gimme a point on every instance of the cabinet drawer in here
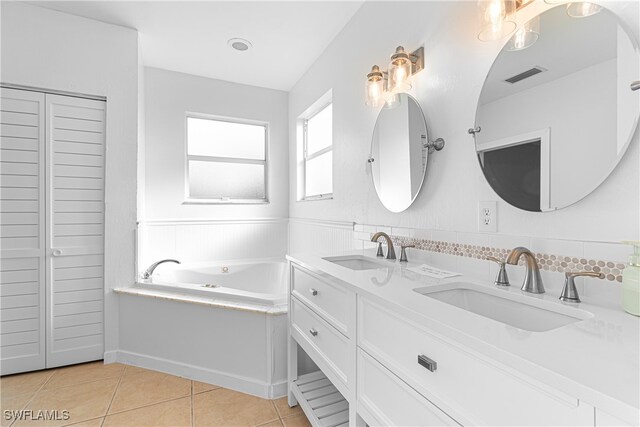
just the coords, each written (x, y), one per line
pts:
(327, 299)
(468, 388)
(329, 344)
(391, 401)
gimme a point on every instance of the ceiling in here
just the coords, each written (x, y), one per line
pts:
(565, 46)
(191, 36)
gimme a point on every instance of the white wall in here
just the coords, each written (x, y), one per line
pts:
(53, 50)
(448, 90)
(203, 232)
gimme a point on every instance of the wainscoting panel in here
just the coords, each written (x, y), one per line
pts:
(323, 237)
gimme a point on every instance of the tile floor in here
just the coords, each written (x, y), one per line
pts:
(113, 395)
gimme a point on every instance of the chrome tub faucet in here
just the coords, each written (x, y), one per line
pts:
(149, 271)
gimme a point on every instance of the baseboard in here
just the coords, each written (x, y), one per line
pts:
(197, 373)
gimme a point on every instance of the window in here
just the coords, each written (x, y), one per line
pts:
(226, 161)
(317, 149)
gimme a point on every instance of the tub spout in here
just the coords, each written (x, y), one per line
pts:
(149, 271)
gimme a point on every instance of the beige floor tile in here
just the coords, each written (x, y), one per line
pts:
(199, 387)
(172, 413)
(96, 422)
(13, 403)
(83, 401)
(24, 383)
(132, 370)
(224, 407)
(276, 423)
(83, 373)
(146, 388)
(283, 408)
(299, 420)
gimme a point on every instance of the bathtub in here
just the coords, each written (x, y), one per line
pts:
(260, 282)
(222, 323)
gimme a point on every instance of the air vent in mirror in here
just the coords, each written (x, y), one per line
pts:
(525, 75)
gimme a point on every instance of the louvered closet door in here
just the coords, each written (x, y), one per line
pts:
(22, 231)
(75, 233)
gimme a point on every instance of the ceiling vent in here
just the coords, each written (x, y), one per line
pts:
(525, 75)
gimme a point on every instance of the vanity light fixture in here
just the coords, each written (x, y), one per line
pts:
(525, 36)
(495, 19)
(381, 85)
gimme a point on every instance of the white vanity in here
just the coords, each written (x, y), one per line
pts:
(397, 348)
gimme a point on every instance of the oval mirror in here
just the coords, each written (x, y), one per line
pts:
(399, 152)
(556, 112)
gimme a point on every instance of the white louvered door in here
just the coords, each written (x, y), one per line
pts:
(22, 231)
(52, 150)
(75, 229)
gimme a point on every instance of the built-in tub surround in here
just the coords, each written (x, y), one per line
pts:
(222, 323)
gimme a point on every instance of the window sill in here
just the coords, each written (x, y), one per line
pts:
(226, 202)
(314, 198)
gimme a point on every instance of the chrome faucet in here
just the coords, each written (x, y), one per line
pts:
(532, 279)
(391, 253)
(149, 271)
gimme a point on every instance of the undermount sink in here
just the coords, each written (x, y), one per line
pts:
(510, 309)
(355, 262)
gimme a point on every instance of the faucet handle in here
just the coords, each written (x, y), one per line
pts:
(403, 252)
(501, 279)
(569, 291)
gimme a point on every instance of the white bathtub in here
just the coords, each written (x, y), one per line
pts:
(261, 282)
(233, 335)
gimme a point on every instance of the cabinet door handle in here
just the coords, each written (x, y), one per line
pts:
(313, 292)
(56, 252)
(430, 364)
(313, 332)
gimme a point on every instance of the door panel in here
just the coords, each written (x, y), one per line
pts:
(75, 235)
(22, 231)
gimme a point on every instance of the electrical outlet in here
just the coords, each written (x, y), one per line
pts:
(487, 216)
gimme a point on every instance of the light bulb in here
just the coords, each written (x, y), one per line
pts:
(399, 71)
(495, 20)
(582, 9)
(375, 87)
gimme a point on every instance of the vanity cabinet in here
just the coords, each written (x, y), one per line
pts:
(390, 369)
(471, 390)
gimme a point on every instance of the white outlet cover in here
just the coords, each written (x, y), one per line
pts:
(488, 216)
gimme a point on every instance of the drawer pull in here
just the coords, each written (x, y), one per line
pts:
(313, 332)
(430, 364)
(313, 292)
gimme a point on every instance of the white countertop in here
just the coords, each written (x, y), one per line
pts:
(596, 360)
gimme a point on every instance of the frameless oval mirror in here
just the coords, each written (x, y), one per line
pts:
(555, 117)
(399, 152)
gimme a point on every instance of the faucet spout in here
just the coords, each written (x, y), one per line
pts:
(532, 279)
(391, 253)
(149, 271)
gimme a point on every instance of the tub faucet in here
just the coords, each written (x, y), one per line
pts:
(149, 271)
(532, 279)
(391, 253)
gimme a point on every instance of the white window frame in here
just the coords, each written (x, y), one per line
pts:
(319, 106)
(213, 159)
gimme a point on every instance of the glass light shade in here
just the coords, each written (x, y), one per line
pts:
(375, 87)
(399, 71)
(582, 9)
(495, 19)
(525, 36)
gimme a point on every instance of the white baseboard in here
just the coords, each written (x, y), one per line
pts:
(233, 382)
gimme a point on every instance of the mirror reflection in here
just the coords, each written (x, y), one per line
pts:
(556, 112)
(399, 153)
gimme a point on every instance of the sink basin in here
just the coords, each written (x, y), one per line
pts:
(355, 262)
(516, 310)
